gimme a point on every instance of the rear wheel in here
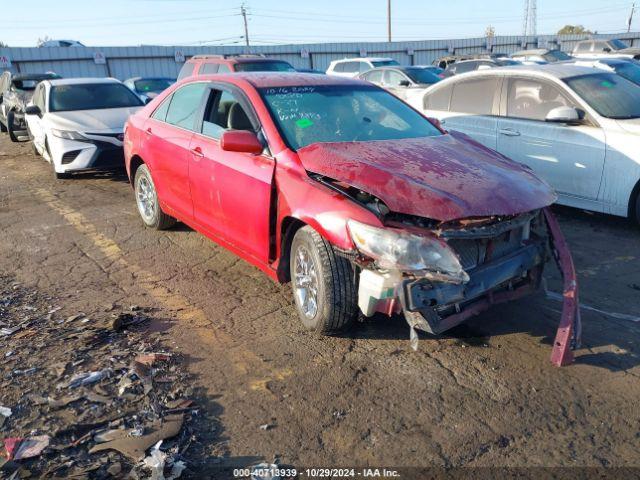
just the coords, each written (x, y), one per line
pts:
(323, 284)
(147, 201)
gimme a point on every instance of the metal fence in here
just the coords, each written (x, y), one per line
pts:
(126, 62)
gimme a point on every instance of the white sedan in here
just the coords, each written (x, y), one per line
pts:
(77, 124)
(578, 128)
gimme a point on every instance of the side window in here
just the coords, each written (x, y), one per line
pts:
(465, 67)
(338, 67)
(206, 68)
(374, 76)
(186, 70)
(41, 98)
(224, 112)
(161, 111)
(393, 78)
(223, 68)
(439, 99)
(364, 67)
(185, 104)
(351, 67)
(533, 100)
(474, 96)
(600, 46)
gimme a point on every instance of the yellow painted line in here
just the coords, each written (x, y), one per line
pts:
(244, 361)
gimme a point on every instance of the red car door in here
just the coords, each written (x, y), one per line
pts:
(231, 191)
(168, 135)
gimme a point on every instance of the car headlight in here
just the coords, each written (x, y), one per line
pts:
(398, 250)
(68, 135)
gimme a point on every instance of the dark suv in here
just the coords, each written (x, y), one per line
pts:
(15, 92)
(207, 64)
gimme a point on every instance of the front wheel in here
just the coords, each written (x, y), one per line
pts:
(147, 201)
(323, 284)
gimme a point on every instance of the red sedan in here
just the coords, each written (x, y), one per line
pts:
(349, 193)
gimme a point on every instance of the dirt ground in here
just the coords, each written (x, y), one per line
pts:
(485, 395)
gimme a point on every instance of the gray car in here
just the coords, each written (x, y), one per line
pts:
(16, 91)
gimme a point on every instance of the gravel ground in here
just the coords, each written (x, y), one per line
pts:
(484, 395)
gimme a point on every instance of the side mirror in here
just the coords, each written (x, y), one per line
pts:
(147, 100)
(606, 49)
(404, 83)
(565, 115)
(242, 141)
(32, 110)
(437, 123)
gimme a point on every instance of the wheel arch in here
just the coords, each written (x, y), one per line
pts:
(635, 192)
(135, 163)
(288, 228)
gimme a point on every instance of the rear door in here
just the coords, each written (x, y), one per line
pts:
(168, 135)
(473, 108)
(570, 158)
(231, 190)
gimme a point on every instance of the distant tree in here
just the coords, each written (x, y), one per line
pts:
(490, 31)
(573, 30)
(42, 40)
(3, 45)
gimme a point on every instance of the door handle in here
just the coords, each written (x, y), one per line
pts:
(148, 131)
(197, 152)
(509, 132)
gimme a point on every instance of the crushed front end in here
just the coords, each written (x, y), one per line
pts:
(440, 274)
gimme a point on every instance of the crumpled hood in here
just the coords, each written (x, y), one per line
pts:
(444, 177)
(107, 119)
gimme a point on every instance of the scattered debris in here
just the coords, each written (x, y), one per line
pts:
(583, 306)
(267, 426)
(89, 398)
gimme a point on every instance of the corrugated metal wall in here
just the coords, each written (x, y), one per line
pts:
(125, 62)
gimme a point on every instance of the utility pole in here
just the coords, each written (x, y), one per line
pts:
(633, 9)
(388, 20)
(243, 11)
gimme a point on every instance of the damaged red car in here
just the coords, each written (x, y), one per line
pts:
(358, 200)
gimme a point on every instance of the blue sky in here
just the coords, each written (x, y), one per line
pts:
(210, 22)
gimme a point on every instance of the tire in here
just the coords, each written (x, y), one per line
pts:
(147, 201)
(313, 263)
(3, 128)
(637, 210)
(10, 117)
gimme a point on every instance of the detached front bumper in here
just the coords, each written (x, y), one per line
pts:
(504, 262)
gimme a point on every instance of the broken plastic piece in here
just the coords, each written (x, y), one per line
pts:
(88, 378)
(32, 447)
(5, 411)
(155, 461)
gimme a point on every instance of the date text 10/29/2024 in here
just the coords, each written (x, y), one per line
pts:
(286, 473)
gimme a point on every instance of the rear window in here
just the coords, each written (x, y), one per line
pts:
(92, 96)
(438, 99)
(207, 68)
(556, 56)
(186, 70)
(275, 66)
(384, 63)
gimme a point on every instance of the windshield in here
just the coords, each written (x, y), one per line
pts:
(617, 44)
(342, 113)
(608, 94)
(155, 85)
(556, 56)
(92, 96)
(275, 66)
(25, 84)
(384, 63)
(422, 75)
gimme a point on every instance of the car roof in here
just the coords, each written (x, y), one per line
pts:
(82, 81)
(556, 70)
(135, 79)
(365, 59)
(533, 51)
(282, 79)
(35, 76)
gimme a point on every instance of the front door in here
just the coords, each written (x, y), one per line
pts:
(570, 158)
(34, 122)
(231, 190)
